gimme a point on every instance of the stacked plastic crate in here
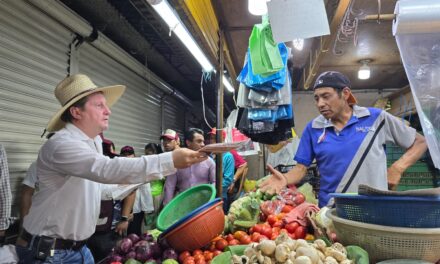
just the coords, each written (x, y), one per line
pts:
(418, 176)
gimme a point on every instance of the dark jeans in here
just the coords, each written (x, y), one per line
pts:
(102, 243)
(135, 226)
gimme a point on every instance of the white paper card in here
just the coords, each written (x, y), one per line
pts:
(291, 19)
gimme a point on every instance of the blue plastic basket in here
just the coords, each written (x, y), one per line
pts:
(399, 211)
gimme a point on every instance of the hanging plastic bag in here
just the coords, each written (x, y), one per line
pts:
(264, 52)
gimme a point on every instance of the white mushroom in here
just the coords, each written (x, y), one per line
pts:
(250, 251)
(339, 247)
(302, 260)
(268, 260)
(320, 244)
(282, 253)
(331, 252)
(310, 252)
(330, 260)
(347, 261)
(301, 243)
(267, 247)
(282, 238)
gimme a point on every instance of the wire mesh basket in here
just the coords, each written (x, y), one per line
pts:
(384, 242)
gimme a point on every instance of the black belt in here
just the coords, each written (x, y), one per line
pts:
(58, 243)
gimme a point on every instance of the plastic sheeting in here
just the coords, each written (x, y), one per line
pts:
(417, 32)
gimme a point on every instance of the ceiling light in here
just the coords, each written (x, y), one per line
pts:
(298, 43)
(173, 21)
(257, 7)
(227, 84)
(364, 70)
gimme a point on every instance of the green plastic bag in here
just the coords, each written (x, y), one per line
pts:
(156, 187)
(265, 55)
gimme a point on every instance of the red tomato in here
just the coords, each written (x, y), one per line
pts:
(208, 255)
(292, 235)
(217, 252)
(221, 244)
(300, 232)
(201, 261)
(251, 230)
(263, 238)
(291, 227)
(198, 252)
(239, 234)
(274, 235)
(266, 231)
(255, 237)
(245, 240)
(257, 228)
(287, 208)
(271, 219)
(198, 257)
(278, 223)
(300, 198)
(234, 242)
(184, 255)
(276, 229)
(189, 260)
(229, 237)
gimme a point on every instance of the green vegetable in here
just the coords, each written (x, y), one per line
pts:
(170, 261)
(132, 261)
(245, 224)
(358, 254)
(155, 233)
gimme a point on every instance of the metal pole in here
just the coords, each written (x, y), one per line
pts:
(219, 134)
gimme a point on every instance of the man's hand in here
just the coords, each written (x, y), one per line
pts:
(394, 175)
(121, 228)
(275, 183)
(183, 157)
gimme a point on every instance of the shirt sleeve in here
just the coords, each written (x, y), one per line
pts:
(170, 188)
(238, 159)
(80, 160)
(5, 191)
(305, 154)
(228, 169)
(31, 176)
(398, 132)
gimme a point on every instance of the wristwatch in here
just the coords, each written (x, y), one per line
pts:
(124, 218)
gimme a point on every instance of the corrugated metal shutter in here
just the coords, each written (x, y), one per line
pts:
(174, 115)
(135, 118)
(33, 59)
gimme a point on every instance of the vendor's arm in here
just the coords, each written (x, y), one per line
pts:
(25, 201)
(127, 207)
(237, 176)
(278, 181)
(410, 157)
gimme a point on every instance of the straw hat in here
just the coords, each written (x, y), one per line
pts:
(75, 87)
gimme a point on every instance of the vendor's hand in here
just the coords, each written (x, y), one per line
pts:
(183, 157)
(275, 183)
(394, 175)
(121, 228)
(231, 188)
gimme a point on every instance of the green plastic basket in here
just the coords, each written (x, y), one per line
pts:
(184, 203)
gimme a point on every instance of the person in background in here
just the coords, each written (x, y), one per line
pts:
(241, 169)
(347, 142)
(5, 196)
(71, 170)
(28, 187)
(143, 202)
(201, 173)
(170, 140)
(228, 165)
(157, 190)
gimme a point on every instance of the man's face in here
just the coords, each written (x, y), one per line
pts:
(197, 143)
(95, 115)
(169, 144)
(329, 102)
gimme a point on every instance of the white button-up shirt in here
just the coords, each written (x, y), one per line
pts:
(70, 168)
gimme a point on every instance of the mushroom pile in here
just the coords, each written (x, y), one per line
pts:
(290, 251)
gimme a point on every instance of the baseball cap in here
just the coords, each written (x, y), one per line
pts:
(170, 134)
(127, 150)
(214, 132)
(335, 80)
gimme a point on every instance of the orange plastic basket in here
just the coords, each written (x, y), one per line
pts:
(199, 230)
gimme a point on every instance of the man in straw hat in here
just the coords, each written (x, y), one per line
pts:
(70, 168)
(347, 142)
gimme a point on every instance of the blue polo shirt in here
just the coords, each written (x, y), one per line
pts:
(338, 152)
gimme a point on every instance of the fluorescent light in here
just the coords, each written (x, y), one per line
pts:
(173, 21)
(364, 70)
(257, 7)
(298, 43)
(227, 84)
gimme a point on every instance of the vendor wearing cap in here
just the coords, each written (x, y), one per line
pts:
(347, 142)
(70, 168)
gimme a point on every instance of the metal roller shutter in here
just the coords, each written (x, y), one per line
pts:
(33, 59)
(135, 118)
(174, 115)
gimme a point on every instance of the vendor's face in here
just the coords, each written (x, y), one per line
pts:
(329, 102)
(169, 144)
(197, 143)
(94, 117)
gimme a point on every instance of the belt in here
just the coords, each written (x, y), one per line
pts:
(58, 243)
